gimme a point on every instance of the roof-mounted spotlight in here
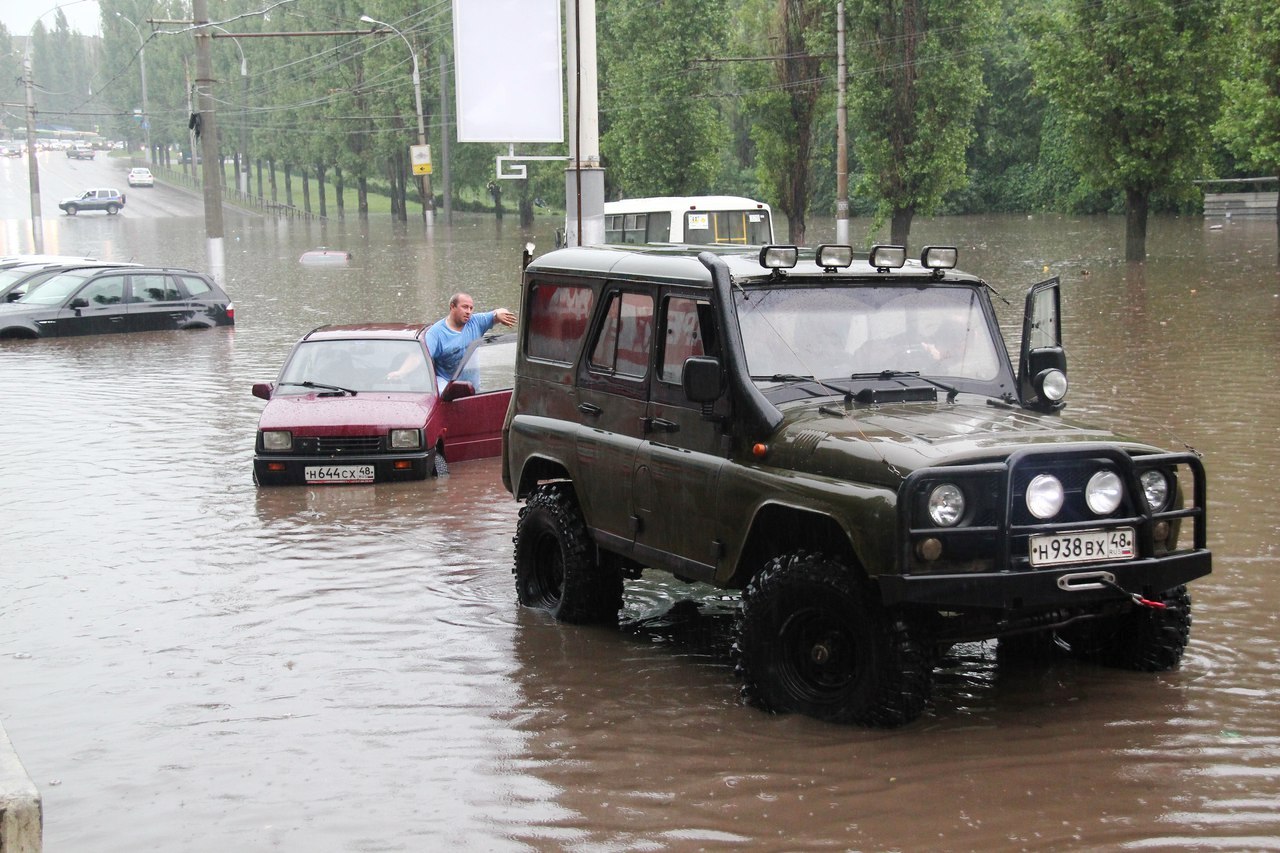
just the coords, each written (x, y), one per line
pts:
(885, 258)
(939, 258)
(779, 257)
(833, 257)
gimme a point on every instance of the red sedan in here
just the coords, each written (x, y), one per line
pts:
(359, 404)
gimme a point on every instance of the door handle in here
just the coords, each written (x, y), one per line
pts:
(589, 409)
(659, 425)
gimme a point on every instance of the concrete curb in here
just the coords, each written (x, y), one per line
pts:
(21, 812)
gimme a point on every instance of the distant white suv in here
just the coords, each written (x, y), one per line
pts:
(110, 200)
(141, 178)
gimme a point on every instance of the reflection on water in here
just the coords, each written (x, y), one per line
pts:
(190, 663)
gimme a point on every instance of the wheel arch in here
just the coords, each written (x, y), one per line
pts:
(539, 469)
(778, 529)
(17, 333)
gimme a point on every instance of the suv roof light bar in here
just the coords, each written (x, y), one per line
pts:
(885, 258)
(779, 257)
(831, 256)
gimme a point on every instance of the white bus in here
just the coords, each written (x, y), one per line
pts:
(704, 220)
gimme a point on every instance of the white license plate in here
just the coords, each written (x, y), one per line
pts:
(1092, 546)
(338, 473)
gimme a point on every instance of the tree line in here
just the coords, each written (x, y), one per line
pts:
(955, 106)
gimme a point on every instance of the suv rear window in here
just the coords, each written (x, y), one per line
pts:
(558, 318)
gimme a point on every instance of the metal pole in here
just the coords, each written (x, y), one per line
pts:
(447, 188)
(142, 66)
(33, 169)
(842, 141)
(424, 181)
(209, 144)
(584, 179)
(242, 176)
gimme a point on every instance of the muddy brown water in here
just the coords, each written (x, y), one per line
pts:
(189, 663)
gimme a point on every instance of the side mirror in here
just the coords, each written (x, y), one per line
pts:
(262, 390)
(79, 303)
(702, 380)
(456, 390)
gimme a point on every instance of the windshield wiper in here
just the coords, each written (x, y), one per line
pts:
(913, 374)
(783, 377)
(309, 384)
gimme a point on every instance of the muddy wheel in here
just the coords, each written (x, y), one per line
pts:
(813, 639)
(440, 466)
(555, 565)
(1142, 638)
(111, 209)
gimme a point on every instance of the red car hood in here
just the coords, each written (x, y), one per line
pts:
(368, 412)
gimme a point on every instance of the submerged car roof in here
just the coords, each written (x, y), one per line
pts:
(679, 263)
(354, 331)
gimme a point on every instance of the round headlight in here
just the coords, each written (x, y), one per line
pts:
(1104, 492)
(946, 505)
(1044, 496)
(1053, 385)
(1155, 488)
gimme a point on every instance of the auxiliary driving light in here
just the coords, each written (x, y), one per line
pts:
(834, 257)
(1104, 492)
(779, 257)
(1155, 488)
(939, 257)
(1044, 496)
(946, 505)
(885, 258)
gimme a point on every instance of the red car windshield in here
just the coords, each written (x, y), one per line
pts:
(358, 365)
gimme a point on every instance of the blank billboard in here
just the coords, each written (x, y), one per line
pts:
(507, 70)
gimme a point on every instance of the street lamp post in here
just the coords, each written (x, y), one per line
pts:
(243, 182)
(428, 202)
(142, 66)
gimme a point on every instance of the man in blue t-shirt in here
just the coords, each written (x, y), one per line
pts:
(449, 338)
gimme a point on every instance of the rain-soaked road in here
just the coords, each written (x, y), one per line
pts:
(189, 663)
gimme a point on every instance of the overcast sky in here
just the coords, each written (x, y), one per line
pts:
(19, 16)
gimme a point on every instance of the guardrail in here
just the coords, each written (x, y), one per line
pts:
(230, 195)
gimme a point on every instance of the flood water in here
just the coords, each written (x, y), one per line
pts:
(190, 663)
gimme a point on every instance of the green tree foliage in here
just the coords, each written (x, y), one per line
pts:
(1250, 122)
(1134, 82)
(916, 82)
(784, 96)
(660, 134)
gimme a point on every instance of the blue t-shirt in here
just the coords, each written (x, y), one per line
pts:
(447, 347)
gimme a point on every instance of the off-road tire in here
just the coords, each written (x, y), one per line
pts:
(555, 564)
(813, 639)
(1146, 639)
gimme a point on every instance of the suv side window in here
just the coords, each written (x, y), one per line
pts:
(194, 284)
(108, 290)
(684, 336)
(155, 287)
(558, 316)
(622, 345)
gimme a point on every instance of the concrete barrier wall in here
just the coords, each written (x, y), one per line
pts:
(21, 813)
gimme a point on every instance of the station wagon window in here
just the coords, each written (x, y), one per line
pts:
(622, 347)
(683, 336)
(558, 315)
(154, 288)
(103, 291)
(195, 285)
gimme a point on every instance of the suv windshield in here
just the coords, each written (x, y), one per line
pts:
(54, 290)
(835, 333)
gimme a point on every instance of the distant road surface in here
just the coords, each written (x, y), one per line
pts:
(62, 177)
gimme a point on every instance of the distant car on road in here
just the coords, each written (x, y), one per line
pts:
(359, 404)
(80, 152)
(11, 151)
(141, 178)
(100, 300)
(110, 200)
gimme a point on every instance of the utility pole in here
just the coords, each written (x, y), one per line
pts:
(842, 141)
(211, 164)
(33, 169)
